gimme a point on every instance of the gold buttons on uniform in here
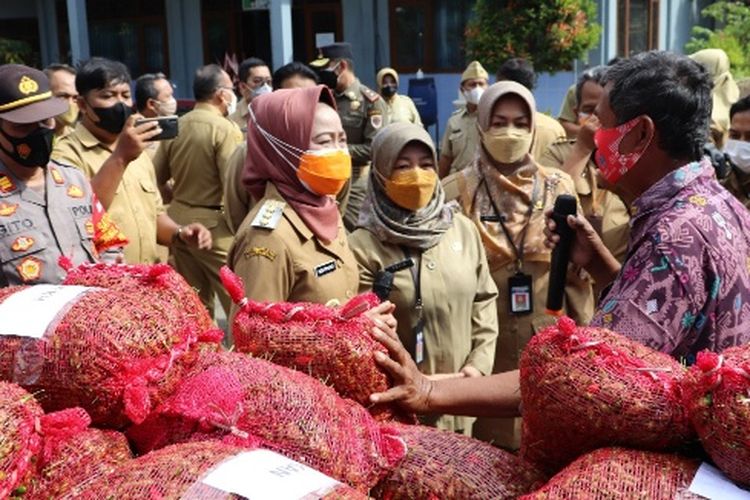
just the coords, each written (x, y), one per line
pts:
(431, 265)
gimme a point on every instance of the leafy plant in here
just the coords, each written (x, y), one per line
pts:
(15, 52)
(733, 36)
(550, 34)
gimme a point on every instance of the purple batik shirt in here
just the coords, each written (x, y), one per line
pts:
(685, 285)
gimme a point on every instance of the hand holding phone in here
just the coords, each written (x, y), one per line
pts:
(168, 124)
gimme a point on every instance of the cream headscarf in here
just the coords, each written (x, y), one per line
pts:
(725, 91)
(381, 75)
(421, 229)
(511, 192)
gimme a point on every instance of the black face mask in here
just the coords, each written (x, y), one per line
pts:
(113, 118)
(329, 78)
(33, 150)
(388, 91)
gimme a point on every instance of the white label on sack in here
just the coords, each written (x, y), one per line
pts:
(709, 482)
(263, 474)
(30, 312)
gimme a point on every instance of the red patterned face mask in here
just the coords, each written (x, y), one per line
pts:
(613, 164)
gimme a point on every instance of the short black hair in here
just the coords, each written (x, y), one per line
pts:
(518, 70)
(294, 68)
(740, 106)
(99, 73)
(595, 74)
(145, 89)
(59, 67)
(206, 81)
(673, 90)
(247, 65)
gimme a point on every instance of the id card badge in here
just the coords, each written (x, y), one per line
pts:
(419, 344)
(521, 293)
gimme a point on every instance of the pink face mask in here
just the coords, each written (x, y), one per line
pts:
(613, 164)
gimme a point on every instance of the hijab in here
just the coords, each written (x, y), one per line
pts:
(484, 186)
(421, 229)
(725, 91)
(287, 115)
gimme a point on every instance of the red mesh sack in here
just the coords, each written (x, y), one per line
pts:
(159, 280)
(237, 396)
(19, 441)
(584, 388)
(112, 353)
(443, 464)
(171, 473)
(72, 453)
(717, 396)
(333, 344)
(619, 473)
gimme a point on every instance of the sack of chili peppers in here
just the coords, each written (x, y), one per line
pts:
(619, 473)
(72, 453)
(444, 464)
(584, 388)
(235, 397)
(110, 352)
(158, 280)
(211, 470)
(19, 440)
(333, 344)
(717, 396)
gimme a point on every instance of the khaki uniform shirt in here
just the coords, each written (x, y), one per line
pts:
(461, 139)
(239, 117)
(362, 113)
(137, 202)
(237, 201)
(738, 184)
(604, 209)
(402, 109)
(458, 297)
(38, 227)
(288, 262)
(547, 131)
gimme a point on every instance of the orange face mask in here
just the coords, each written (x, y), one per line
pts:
(411, 188)
(325, 171)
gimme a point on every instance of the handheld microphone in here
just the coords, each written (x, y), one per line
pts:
(565, 205)
(383, 283)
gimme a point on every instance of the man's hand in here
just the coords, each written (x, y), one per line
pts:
(585, 137)
(196, 235)
(411, 389)
(133, 140)
(383, 313)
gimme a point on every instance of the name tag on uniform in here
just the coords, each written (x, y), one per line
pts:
(325, 268)
(521, 295)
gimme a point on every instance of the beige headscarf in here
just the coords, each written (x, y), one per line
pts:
(381, 75)
(511, 192)
(421, 229)
(725, 93)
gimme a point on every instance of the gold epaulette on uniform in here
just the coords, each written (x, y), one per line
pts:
(368, 94)
(269, 215)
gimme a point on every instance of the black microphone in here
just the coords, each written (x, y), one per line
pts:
(383, 283)
(565, 205)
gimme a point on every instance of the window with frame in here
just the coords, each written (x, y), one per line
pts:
(428, 34)
(637, 26)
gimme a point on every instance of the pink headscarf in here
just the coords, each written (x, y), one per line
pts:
(287, 115)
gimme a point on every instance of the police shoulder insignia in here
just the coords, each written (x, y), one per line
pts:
(29, 269)
(22, 243)
(6, 184)
(260, 252)
(269, 215)
(370, 95)
(376, 121)
(75, 191)
(8, 209)
(56, 176)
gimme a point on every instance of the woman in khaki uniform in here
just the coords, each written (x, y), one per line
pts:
(505, 192)
(445, 304)
(292, 245)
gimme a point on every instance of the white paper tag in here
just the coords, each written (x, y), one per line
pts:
(30, 312)
(263, 474)
(711, 483)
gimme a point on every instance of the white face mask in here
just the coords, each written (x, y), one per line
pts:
(168, 107)
(232, 106)
(473, 96)
(263, 89)
(739, 154)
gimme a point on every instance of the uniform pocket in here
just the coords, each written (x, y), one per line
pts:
(23, 256)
